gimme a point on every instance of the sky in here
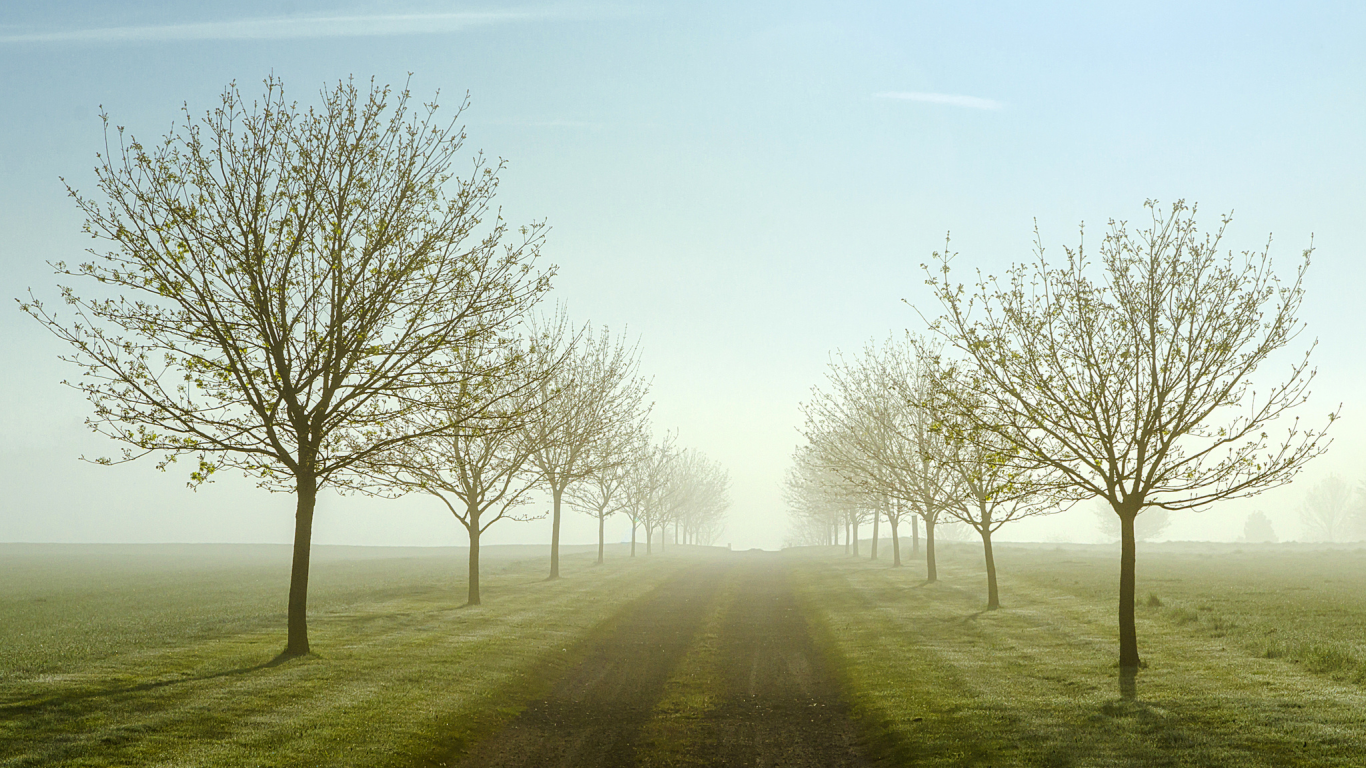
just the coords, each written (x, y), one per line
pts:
(744, 187)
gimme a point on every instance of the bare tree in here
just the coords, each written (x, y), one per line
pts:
(604, 492)
(698, 497)
(997, 487)
(597, 398)
(646, 482)
(1137, 388)
(481, 472)
(279, 286)
(1326, 511)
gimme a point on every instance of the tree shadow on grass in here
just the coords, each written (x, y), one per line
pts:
(58, 700)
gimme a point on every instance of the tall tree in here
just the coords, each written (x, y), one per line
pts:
(277, 286)
(1136, 386)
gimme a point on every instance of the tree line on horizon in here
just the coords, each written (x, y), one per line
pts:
(315, 298)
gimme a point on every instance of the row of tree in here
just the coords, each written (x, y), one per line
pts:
(315, 298)
(1131, 376)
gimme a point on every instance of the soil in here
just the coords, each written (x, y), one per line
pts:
(778, 703)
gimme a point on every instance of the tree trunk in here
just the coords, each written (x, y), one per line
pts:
(649, 540)
(896, 543)
(556, 492)
(932, 573)
(602, 522)
(307, 498)
(663, 536)
(872, 548)
(915, 536)
(633, 538)
(473, 598)
(1128, 636)
(855, 539)
(993, 599)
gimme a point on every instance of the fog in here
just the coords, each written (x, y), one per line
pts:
(745, 190)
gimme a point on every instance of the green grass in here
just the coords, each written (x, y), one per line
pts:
(1254, 656)
(161, 656)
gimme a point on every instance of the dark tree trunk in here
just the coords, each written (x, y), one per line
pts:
(649, 540)
(872, 547)
(556, 492)
(307, 498)
(915, 536)
(932, 573)
(602, 523)
(855, 539)
(633, 539)
(993, 598)
(896, 543)
(846, 537)
(663, 536)
(473, 598)
(1128, 636)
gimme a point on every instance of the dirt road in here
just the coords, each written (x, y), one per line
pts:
(715, 667)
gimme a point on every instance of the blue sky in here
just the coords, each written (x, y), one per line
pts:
(747, 187)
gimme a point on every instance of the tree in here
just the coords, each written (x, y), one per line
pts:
(281, 285)
(604, 493)
(996, 486)
(1327, 512)
(873, 428)
(1136, 387)
(698, 499)
(1258, 530)
(481, 472)
(597, 397)
(646, 481)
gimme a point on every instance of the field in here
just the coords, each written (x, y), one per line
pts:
(162, 655)
(1255, 656)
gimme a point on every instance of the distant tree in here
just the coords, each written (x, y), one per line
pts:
(646, 481)
(597, 396)
(279, 286)
(604, 493)
(1258, 530)
(871, 426)
(1136, 386)
(1327, 511)
(482, 472)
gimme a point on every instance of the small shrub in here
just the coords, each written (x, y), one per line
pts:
(1154, 601)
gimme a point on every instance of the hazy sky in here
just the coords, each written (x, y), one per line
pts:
(746, 186)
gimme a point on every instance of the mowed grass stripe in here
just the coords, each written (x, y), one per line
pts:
(939, 682)
(403, 679)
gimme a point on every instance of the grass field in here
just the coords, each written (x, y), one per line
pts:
(161, 655)
(1255, 656)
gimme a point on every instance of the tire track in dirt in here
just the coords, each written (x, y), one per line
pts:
(782, 704)
(773, 701)
(594, 713)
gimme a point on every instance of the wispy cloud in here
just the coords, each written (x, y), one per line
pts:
(284, 27)
(948, 99)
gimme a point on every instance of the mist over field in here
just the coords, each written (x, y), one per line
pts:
(682, 384)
